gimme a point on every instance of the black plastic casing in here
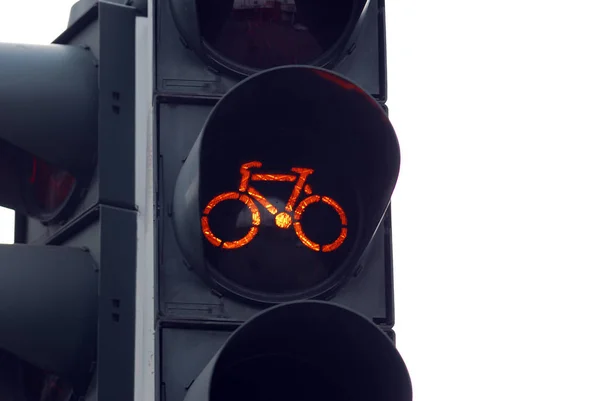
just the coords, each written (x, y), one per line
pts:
(195, 320)
(180, 70)
(102, 224)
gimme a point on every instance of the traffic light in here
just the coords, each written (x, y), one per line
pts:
(275, 167)
(203, 191)
(49, 96)
(67, 151)
(286, 185)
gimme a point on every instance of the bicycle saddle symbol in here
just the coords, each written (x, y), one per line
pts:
(284, 219)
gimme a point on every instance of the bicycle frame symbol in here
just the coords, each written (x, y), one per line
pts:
(284, 219)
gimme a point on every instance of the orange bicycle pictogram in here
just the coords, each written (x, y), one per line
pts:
(283, 219)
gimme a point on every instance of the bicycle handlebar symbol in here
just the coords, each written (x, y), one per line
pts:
(283, 219)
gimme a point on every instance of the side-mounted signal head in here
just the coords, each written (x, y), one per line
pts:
(245, 36)
(48, 127)
(286, 185)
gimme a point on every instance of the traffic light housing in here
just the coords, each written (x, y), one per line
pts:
(299, 142)
(48, 96)
(273, 186)
(190, 80)
(67, 167)
(285, 171)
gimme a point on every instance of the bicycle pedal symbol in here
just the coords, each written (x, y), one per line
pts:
(284, 219)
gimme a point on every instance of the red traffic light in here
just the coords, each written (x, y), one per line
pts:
(285, 185)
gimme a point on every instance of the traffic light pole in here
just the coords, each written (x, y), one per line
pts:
(147, 386)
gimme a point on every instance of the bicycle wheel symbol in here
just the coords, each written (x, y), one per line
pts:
(236, 243)
(283, 219)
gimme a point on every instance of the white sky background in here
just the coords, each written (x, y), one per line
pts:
(497, 208)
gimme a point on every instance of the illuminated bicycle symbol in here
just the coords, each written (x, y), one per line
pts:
(284, 219)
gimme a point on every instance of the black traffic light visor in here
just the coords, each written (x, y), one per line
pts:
(308, 350)
(48, 307)
(48, 127)
(246, 36)
(49, 102)
(289, 178)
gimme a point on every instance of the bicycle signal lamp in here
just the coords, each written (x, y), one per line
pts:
(275, 208)
(285, 185)
(283, 219)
